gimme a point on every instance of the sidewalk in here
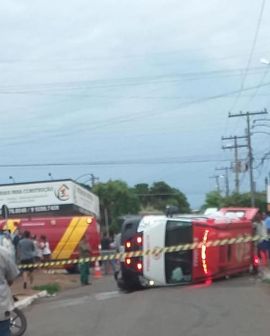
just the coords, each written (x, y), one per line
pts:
(41, 277)
(265, 274)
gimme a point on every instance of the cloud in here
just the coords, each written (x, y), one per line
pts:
(100, 74)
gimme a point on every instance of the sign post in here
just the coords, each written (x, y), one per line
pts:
(4, 211)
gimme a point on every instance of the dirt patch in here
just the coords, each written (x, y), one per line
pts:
(42, 278)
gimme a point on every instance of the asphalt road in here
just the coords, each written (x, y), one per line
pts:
(238, 306)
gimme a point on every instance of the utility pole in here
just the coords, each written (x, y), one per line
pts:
(235, 146)
(216, 177)
(250, 154)
(93, 179)
(227, 185)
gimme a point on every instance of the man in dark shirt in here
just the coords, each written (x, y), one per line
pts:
(105, 243)
(26, 254)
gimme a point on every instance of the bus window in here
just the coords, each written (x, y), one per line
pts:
(178, 265)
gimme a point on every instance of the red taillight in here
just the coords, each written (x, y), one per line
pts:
(256, 261)
(139, 266)
(128, 244)
(139, 240)
(128, 261)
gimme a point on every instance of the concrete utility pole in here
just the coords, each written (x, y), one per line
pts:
(250, 154)
(235, 146)
(216, 177)
(93, 179)
(227, 185)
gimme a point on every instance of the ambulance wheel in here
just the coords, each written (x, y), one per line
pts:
(122, 285)
(127, 288)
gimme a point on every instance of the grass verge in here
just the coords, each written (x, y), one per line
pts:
(267, 280)
(51, 288)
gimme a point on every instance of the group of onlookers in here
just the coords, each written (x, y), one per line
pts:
(26, 249)
(40, 247)
(29, 250)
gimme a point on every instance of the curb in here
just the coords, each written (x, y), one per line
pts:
(266, 275)
(30, 299)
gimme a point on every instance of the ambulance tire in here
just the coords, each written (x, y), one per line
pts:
(128, 287)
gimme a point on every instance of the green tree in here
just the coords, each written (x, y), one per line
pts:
(213, 199)
(244, 200)
(162, 195)
(116, 199)
(142, 191)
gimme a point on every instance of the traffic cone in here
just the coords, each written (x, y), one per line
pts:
(97, 271)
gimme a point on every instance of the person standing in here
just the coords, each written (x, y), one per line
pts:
(105, 248)
(45, 248)
(38, 251)
(116, 246)
(8, 273)
(85, 252)
(6, 243)
(262, 244)
(26, 253)
(17, 236)
(267, 224)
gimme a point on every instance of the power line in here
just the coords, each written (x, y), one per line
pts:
(255, 93)
(110, 163)
(145, 114)
(119, 82)
(237, 162)
(259, 21)
(250, 152)
(126, 56)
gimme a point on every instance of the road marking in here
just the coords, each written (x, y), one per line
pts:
(107, 295)
(84, 299)
(71, 302)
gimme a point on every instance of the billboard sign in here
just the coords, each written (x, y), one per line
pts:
(47, 197)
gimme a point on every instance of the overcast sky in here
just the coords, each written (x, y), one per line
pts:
(117, 81)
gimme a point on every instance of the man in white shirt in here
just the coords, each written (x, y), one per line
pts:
(8, 273)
